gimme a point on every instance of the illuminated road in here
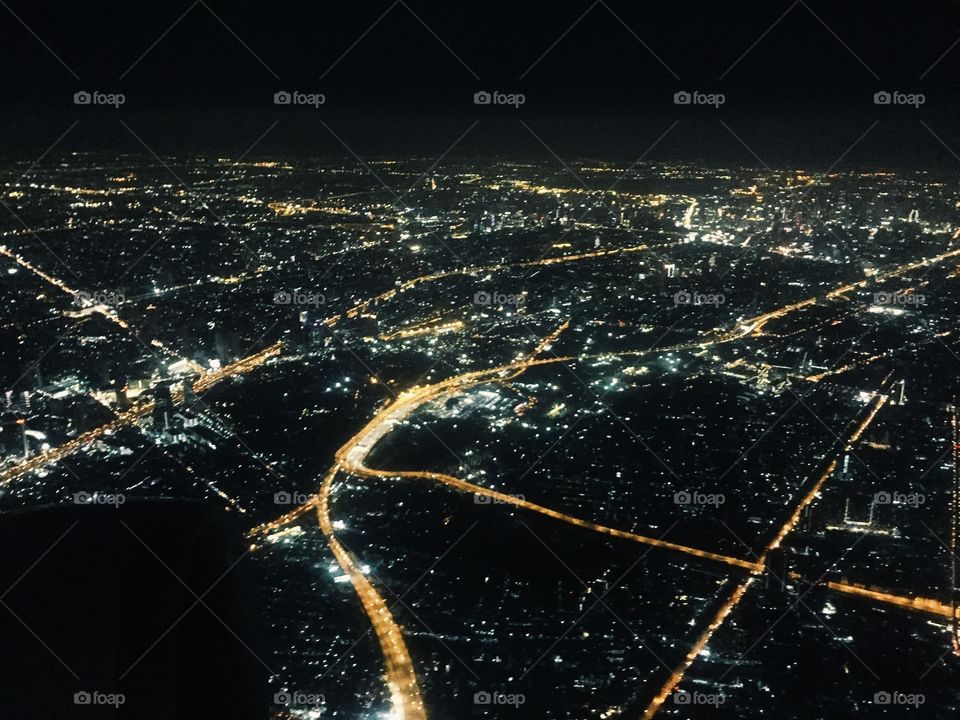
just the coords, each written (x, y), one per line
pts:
(88, 305)
(352, 455)
(207, 378)
(915, 604)
(678, 674)
(135, 413)
(424, 330)
(406, 700)
(954, 523)
(401, 675)
(405, 697)
(364, 305)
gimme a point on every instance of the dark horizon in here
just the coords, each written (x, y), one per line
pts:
(798, 80)
(759, 143)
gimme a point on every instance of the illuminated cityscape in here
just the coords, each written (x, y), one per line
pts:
(600, 375)
(404, 360)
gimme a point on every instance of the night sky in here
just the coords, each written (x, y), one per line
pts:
(399, 78)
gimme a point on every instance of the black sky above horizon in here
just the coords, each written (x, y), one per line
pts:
(398, 76)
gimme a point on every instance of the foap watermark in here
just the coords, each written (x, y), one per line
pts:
(499, 698)
(111, 298)
(685, 297)
(297, 698)
(483, 97)
(682, 697)
(899, 498)
(296, 297)
(686, 97)
(287, 498)
(884, 97)
(694, 497)
(899, 298)
(482, 499)
(95, 697)
(498, 298)
(295, 97)
(899, 698)
(95, 97)
(97, 498)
